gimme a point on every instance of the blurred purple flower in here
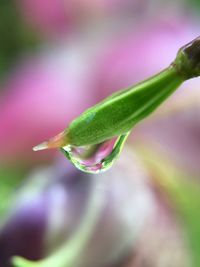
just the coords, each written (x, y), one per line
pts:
(23, 233)
(134, 220)
(47, 215)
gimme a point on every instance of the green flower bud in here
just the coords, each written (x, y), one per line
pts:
(117, 114)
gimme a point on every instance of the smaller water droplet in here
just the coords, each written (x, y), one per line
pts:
(95, 158)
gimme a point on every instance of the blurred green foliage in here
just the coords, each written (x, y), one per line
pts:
(16, 37)
(194, 2)
(10, 179)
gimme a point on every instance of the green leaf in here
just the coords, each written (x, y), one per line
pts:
(16, 37)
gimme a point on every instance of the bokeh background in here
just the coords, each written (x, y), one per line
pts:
(58, 58)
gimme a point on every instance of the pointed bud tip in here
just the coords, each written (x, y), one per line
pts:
(41, 146)
(57, 141)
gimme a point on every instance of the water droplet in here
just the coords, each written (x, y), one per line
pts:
(95, 158)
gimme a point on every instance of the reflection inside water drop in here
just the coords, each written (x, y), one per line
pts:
(95, 158)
